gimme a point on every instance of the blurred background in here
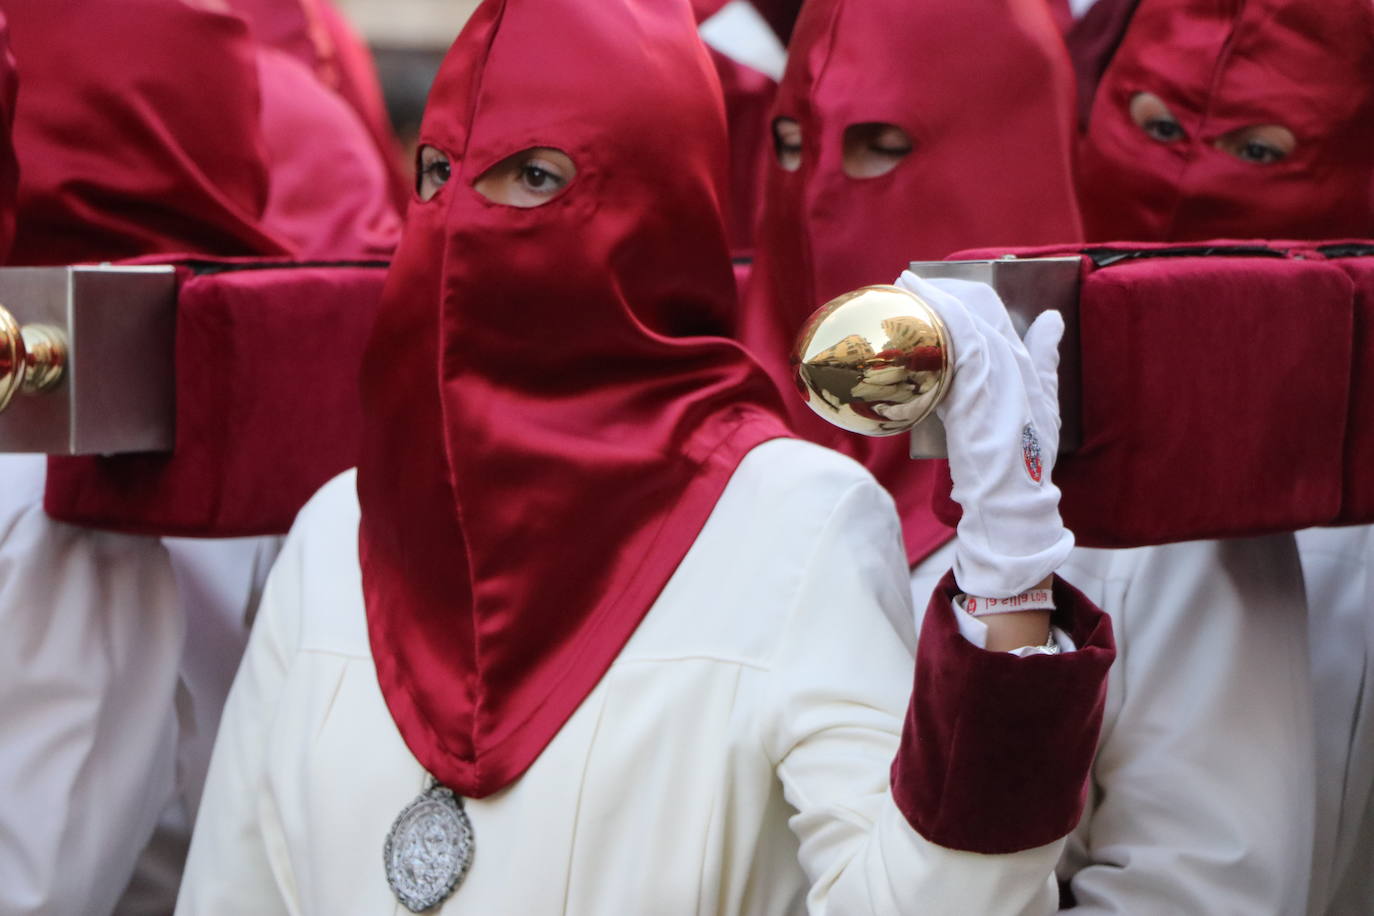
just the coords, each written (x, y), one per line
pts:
(400, 26)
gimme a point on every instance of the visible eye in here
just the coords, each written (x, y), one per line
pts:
(530, 178)
(787, 143)
(539, 179)
(1261, 144)
(1163, 130)
(1153, 117)
(874, 148)
(433, 172)
(1263, 153)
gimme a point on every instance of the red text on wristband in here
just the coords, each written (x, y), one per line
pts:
(1035, 599)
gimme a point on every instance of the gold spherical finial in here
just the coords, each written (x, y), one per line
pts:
(874, 361)
(32, 358)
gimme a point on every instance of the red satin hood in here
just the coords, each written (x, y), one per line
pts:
(315, 34)
(560, 411)
(137, 132)
(293, 27)
(353, 71)
(333, 191)
(9, 168)
(1223, 65)
(330, 193)
(984, 90)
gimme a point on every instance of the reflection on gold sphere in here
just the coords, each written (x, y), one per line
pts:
(32, 358)
(874, 361)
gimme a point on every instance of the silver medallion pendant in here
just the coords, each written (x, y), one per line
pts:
(428, 849)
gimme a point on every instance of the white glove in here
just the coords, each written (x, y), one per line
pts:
(1001, 417)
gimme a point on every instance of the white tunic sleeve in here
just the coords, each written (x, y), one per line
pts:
(1203, 783)
(88, 665)
(835, 730)
(1340, 625)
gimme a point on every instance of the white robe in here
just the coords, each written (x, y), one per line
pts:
(733, 760)
(219, 582)
(88, 675)
(1340, 591)
(118, 654)
(1202, 791)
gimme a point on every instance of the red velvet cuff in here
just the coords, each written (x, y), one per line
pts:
(1222, 381)
(267, 409)
(1357, 493)
(997, 750)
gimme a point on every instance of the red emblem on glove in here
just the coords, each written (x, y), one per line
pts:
(1030, 452)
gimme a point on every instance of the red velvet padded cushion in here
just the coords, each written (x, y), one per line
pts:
(1215, 397)
(267, 367)
(1357, 500)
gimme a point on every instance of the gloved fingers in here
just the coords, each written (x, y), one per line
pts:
(1007, 349)
(995, 380)
(1001, 395)
(981, 300)
(1016, 391)
(1042, 343)
(967, 338)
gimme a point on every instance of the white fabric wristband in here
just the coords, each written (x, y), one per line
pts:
(1034, 599)
(976, 632)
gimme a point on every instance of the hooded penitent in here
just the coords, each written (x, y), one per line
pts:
(560, 410)
(137, 132)
(1221, 66)
(984, 91)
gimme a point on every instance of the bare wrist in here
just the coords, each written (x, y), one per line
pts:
(1012, 630)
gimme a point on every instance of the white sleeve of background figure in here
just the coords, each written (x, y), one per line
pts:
(88, 671)
(229, 868)
(1204, 781)
(839, 698)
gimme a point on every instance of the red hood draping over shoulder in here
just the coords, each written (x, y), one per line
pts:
(985, 92)
(290, 26)
(705, 9)
(781, 16)
(137, 132)
(1091, 41)
(330, 192)
(359, 85)
(561, 410)
(748, 98)
(9, 168)
(315, 34)
(333, 187)
(1220, 66)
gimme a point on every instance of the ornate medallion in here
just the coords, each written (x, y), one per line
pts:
(428, 849)
(1030, 453)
